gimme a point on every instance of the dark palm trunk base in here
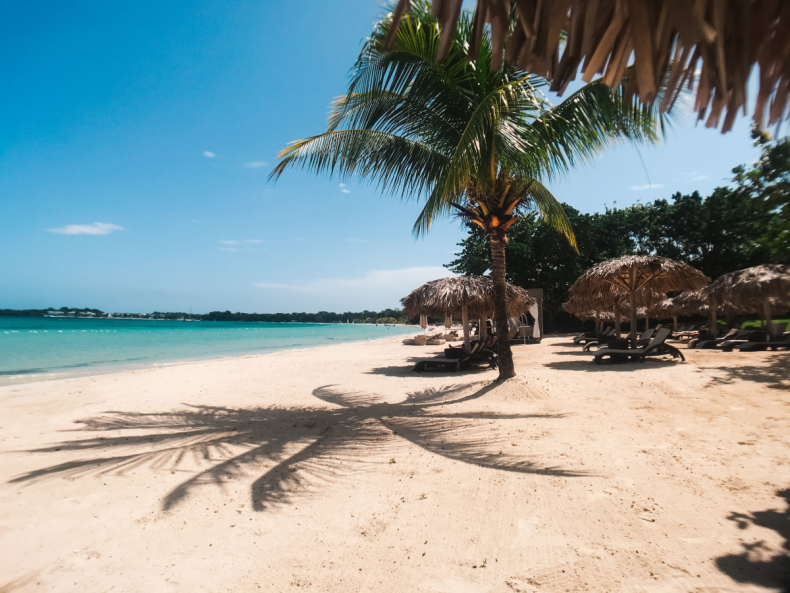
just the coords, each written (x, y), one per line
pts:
(506, 368)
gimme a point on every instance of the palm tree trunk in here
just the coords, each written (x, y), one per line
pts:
(632, 286)
(497, 239)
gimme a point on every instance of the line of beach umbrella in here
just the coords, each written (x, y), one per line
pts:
(635, 286)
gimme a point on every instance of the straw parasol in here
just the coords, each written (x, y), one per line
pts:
(469, 295)
(711, 45)
(610, 298)
(691, 302)
(759, 290)
(635, 274)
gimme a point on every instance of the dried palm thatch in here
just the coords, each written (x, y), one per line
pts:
(602, 304)
(449, 296)
(710, 45)
(693, 302)
(635, 274)
(471, 296)
(750, 288)
(761, 289)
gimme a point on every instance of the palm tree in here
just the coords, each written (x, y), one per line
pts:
(464, 137)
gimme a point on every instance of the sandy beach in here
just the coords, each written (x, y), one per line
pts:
(338, 469)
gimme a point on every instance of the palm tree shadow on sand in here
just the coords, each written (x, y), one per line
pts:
(292, 451)
(756, 564)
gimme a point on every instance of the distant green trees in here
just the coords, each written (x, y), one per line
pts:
(735, 227)
(385, 316)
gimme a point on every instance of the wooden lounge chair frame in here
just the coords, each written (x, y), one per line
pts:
(480, 354)
(656, 347)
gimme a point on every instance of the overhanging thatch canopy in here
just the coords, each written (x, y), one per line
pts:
(710, 46)
(447, 296)
(692, 302)
(749, 289)
(634, 273)
(638, 276)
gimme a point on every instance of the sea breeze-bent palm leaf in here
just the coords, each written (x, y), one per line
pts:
(397, 163)
(468, 138)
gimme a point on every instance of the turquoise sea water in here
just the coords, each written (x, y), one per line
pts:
(35, 348)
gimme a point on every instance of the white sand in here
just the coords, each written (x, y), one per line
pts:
(337, 469)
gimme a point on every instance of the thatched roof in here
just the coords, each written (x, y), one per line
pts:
(692, 302)
(710, 46)
(447, 295)
(608, 297)
(749, 289)
(652, 273)
(586, 305)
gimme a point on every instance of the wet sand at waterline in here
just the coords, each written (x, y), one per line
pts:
(337, 469)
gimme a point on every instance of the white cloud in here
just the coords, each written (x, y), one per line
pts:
(256, 164)
(647, 186)
(346, 191)
(377, 289)
(97, 228)
(209, 154)
(699, 177)
(342, 187)
(235, 242)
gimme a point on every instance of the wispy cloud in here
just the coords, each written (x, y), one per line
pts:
(235, 242)
(97, 228)
(377, 289)
(343, 188)
(236, 245)
(208, 154)
(402, 280)
(699, 177)
(647, 186)
(256, 164)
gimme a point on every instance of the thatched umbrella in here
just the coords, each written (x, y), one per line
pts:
(759, 289)
(692, 302)
(635, 274)
(612, 298)
(469, 295)
(711, 45)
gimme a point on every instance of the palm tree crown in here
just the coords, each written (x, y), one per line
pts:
(463, 136)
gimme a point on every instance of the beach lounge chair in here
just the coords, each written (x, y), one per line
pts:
(754, 336)
(590, 336)
(479, 354)
(687, 332)
(604, 341)
(702, 343)
(656, 347)
(599, 339)
(762, 346)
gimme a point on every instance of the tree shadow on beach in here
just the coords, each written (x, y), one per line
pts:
(775, 375)
(757, 564)
(589, 366)
(287, 452)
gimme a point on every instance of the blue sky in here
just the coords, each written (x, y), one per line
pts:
(160, 122)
